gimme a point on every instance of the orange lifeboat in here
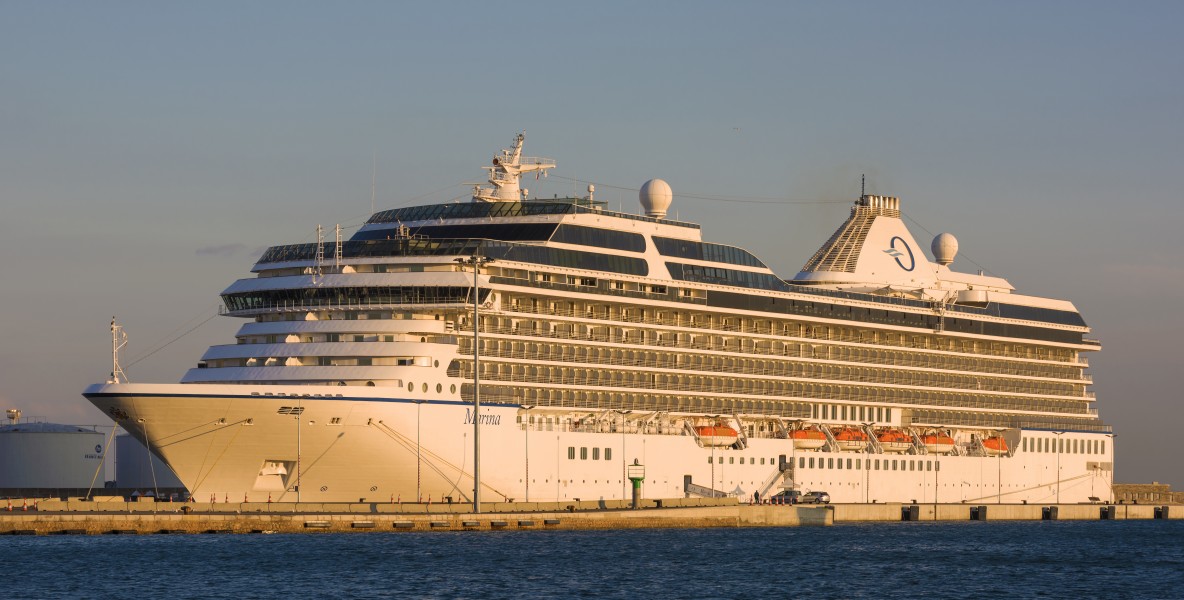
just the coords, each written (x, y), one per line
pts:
(716, 435)
(995, 445)
(851, 439)
(807, 439)
(938, 443)
(894, 441)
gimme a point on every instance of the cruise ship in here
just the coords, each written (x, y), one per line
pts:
(577, 348)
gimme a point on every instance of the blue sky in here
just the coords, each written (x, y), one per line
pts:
(149, 151)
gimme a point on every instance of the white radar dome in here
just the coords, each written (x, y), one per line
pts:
(945, 248)
(656, 197)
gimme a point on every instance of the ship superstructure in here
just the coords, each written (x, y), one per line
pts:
(606, 337)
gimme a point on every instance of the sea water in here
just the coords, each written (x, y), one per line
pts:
(1096, 559)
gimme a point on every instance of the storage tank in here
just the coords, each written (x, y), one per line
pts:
(132, 471)
(39, 457)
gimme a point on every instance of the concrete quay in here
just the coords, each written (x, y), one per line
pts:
(79, 517)
(86, 517)
(865, 513)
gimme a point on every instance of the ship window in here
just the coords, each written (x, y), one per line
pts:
(731, 460)
(571, 453)
(596, 454)
(425, 388)
(802, 462)
(439, 388)
(608, 454)
(877, 464)
(859, 463)
(762, 460)
(928, 465)
(452, 388)
(583, 454)
(894, 465)
(830, 463)
(848, 463)
(840, 463)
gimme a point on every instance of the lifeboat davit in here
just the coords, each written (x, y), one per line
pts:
(851, 439)
(807, 439)
(938, 443)
(716, 435)
(894, 441)
(995, 445)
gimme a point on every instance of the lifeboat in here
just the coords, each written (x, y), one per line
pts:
(716, 435)
(938, 443)
(995, 445)
(851, 439)
(894, 441)
(807, 439)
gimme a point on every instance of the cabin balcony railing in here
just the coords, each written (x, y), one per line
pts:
(283, 307)
(791, 352)
(707, 325)
(695, 364)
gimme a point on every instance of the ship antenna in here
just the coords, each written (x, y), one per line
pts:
(118, 341)
(862, 185)
(320, 256)
(337, 251)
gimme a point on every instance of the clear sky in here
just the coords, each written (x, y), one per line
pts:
(149, 151)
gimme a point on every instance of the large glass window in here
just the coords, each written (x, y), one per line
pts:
(601, 238)
(705, 251)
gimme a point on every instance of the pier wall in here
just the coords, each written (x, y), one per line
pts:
(104, 517)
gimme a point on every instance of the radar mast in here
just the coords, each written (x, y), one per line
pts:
(507, 170)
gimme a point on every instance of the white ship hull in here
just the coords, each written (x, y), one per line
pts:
(219, 440)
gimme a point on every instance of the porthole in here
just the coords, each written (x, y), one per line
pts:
(411, 387)
(439, 388)
(437, 364)
(452, 388)
(425, 388)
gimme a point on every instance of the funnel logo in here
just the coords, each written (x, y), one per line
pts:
(898, 255)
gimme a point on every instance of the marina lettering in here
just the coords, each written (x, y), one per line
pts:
(485, 419)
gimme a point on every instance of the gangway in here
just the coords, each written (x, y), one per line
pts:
(703, 491)
(777, 478)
